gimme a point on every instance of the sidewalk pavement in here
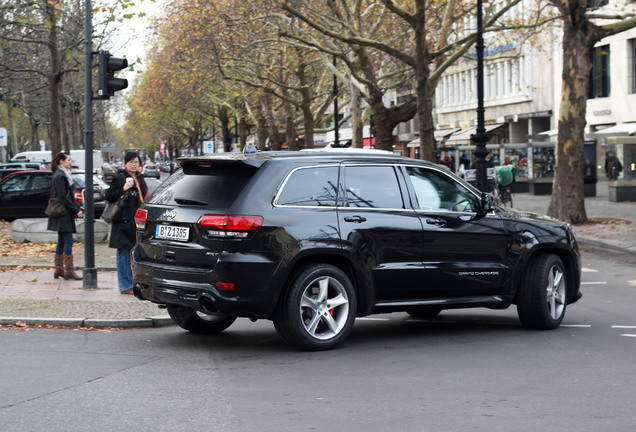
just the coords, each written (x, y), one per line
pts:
(30, 295)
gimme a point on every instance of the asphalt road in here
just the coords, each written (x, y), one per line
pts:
(466, 370)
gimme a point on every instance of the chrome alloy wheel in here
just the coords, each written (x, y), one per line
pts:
(555, 292)
(324, 308)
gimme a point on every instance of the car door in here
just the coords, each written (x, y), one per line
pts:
(13, 191)
(463, 255)
(380, 232)
(38, 193)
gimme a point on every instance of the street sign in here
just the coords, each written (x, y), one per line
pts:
(3, 137)
(108, 147)
(208, 147)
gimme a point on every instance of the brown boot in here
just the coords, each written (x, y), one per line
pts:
(70, 271)
(59, 267)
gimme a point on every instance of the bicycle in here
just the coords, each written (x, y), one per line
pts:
(505, 195)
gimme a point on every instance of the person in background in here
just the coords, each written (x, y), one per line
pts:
(123, 232)
(63, 188)
(613, 166)
(464, 160)
(447, 161)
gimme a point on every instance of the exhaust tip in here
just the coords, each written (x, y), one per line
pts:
(137, 292)
(207, 303)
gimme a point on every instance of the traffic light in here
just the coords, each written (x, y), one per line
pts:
(108, 84)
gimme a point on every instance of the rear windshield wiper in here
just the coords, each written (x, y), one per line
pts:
(187, 201)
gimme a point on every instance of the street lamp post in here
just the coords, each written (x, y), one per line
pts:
(90, 271)
(336, 140)
(480, 137)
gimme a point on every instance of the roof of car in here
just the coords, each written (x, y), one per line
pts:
(259, 158)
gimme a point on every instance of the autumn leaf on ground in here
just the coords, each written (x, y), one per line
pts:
(33, 280)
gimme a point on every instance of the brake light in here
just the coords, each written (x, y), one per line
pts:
(225, 285)
(141, 217)
(238, 226)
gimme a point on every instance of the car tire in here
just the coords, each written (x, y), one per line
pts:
(424, 311)
(318, 310)
(197, 322)
(542, 297)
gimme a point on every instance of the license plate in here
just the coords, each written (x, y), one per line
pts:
(169, 232)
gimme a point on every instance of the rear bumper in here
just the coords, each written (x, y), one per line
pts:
(252, 296)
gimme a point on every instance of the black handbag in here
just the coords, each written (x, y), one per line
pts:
(55, 208)
(113, 210)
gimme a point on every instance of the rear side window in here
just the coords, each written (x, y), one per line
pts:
(216, 186)
(372, 187)
(313, 187)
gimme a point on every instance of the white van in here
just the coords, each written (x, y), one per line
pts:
(77, 157)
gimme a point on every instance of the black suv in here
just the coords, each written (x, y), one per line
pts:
(314, 239)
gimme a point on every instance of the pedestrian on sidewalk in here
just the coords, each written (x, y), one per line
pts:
(613, 166)
(123, 231)
(63, 187)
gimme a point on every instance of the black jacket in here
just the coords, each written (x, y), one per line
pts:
(61, 189)
(122, 234)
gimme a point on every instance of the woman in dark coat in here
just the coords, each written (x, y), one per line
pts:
(122, 234)
(63, 189)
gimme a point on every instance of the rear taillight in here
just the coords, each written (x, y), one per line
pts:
(237, 226)
(141, 217)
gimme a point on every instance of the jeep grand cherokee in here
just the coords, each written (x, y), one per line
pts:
(312, 240)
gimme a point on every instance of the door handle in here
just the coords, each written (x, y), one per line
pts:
(356, 219)
(438, 222)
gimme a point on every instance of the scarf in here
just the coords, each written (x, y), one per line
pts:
(68, 175)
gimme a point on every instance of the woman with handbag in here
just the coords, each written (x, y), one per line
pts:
(123, 231)
(62, 189)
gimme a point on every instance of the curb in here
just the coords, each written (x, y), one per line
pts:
(97, 323)
(605, 243)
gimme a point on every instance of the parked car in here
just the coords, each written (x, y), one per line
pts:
(109, 171)
(25, 194)
(26, 165)
(312, 240)
(151, 170)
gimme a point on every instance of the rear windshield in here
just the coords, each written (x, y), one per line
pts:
(215, 187)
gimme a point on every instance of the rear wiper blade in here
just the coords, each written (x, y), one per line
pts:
(187, 201)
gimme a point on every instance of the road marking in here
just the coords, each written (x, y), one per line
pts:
(588, 270)
(629, 335)
(372, 319)
(593, 283)
(576, 325)
(624, 327)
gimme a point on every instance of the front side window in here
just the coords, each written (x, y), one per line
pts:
(372, 187)
(313, 187)
(15, 183)
(435, 191)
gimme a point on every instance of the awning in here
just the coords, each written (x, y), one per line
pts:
(463, 136)
(624, 129)
(440, 135)
(551, 132)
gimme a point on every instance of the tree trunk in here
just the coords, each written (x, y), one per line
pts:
(242, 131)
(422, 83)
(272, 124)
(290, 128)
(305, 107)
(262, 133)
(225, 129)
(567, 202)
(54, 81)
(13, 142)
(356, 117)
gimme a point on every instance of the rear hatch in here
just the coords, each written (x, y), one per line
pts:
(188, 222)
